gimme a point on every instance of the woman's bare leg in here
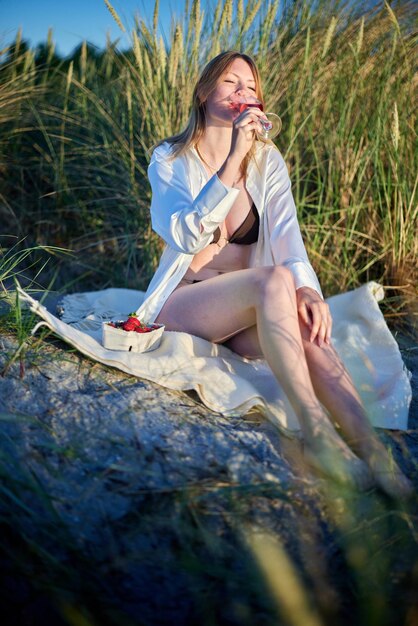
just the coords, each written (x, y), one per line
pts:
(218, 308)
(335, 390)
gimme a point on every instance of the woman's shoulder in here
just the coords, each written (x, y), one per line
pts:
(162, 151)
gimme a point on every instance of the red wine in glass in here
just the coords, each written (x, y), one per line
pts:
(265, 123)
(271, 124)
(245, 105)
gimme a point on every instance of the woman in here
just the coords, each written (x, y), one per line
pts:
(235, 270)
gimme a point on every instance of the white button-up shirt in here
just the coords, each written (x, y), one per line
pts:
(188, 205)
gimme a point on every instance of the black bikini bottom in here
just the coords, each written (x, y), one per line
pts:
(189, 282)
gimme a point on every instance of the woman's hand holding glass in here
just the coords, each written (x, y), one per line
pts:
(249, 120)
(244, 126)
(271, 123)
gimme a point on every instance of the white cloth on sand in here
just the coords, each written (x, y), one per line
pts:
(232, 385)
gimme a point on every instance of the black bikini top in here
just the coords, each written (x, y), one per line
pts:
(246, 233)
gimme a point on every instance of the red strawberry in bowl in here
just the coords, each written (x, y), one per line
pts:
(117, 335)
(132, 323)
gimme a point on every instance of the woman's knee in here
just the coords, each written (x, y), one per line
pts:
(275, 281)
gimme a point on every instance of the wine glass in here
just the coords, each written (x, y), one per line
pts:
(271, 123)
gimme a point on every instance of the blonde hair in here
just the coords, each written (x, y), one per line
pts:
(205, 85)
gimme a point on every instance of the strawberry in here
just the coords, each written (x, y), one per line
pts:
(132, 323)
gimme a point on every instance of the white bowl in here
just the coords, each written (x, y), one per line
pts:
(129, 340)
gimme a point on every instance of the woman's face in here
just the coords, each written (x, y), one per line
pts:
(237, 78)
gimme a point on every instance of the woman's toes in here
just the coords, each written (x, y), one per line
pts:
(351, 471)
(394, 484)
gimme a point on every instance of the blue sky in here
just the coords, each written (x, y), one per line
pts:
(75, 20)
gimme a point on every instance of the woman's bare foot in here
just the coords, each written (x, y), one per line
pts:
(387, 474)
(394, 483)
(326, 452)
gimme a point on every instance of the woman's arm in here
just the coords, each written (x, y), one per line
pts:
(289, 250)
(286, 241)
(185, 223)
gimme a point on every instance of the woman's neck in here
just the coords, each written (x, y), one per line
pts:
(215, 144)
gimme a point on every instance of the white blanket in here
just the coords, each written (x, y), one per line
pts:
(230, 384)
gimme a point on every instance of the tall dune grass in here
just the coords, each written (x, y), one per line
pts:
(76, 133)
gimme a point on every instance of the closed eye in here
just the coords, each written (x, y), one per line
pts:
(233, 82)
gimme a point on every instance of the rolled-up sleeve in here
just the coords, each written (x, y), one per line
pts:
(185, 223)
(286, 240)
